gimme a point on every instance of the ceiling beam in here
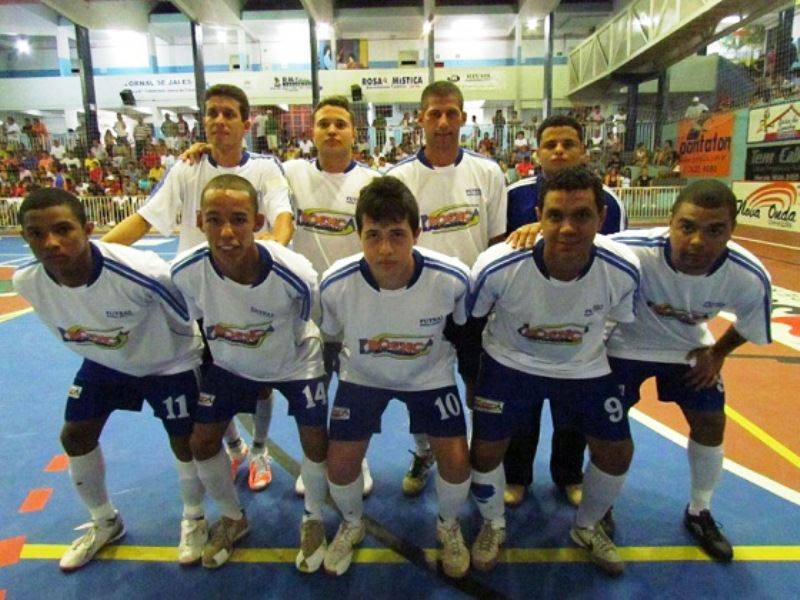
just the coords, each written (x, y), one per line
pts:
(319, 10)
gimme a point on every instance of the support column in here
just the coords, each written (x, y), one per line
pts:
(548, 24)
(87, 86)
(662, 106)
(518, 63)
(241, 46)
(151, 52)
(199, 74)
(312, 36)
(62, 47)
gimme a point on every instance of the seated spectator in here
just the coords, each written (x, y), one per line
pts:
(625, 178)
(486, 145)
(525, 167)
(521, 146)
(641, 155)
(615, 162)
(695, 109)
(644, 179)
(612, 178)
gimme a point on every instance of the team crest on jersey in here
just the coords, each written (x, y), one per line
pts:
(206, 399)
(488, 406)
(396, 346)
(340, 413)
(449, 218)
(111, 339)
(329, 222)
(569, 333)
(251, 336)
(74, 392)
(687, 317)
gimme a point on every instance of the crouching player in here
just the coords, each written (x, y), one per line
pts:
(255, 299)
(391, 303)
(691, 271)
(116, 307)
(546, 340)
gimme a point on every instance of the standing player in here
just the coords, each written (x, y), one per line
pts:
(560, 141)
(325, 192)
(255, 300)
(410, 292)
(117, 308)
(462, 205)
(226, 120)
(546, 337)
(690, 272)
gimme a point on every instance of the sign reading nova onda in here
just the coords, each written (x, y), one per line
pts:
(773, 205)
(705, 145)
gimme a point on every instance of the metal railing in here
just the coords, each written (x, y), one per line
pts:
(648, 205)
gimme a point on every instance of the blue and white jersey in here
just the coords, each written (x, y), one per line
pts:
(461, 206)
(261, 331)
(392, 339)
(129, 316)
(523, 197)
(546, 327)
(325, 208)
(179, 193)
(674, 308)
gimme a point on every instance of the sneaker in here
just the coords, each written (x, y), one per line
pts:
(99, 534)
(339, 554)
(299, 486)
(238, 456)
(194, 535)
(312, 546)
(706, 531)
(223, 534)
(455, 556)
(513, 495)
(573, 493)
(417, 475)
(487, 546)
(608, 524)
(260, 472)
(601, 549)
(368, 482)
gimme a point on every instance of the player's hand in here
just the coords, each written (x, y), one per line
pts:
(194, 153)
(706, 366)
(524, 237)
(266, 235)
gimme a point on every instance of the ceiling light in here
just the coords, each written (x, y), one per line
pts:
(532, 23)
(23, 46)
(222, 36)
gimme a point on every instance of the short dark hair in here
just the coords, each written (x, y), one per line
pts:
(387, 200)
(441, 89)
(707, 193)
(338, 101)
(559, 121)
(231, 182)
(230, 91)
(42, 198)
(571, 179)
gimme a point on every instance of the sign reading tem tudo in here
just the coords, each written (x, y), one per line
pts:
(774, 205)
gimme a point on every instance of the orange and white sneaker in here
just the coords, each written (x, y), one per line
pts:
(238, 456)
(260, 471)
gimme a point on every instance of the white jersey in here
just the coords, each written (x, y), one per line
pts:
(178, 194)
(129, 317)
(261, 331)
(461, 206)
(546, 327)
(325, 206)
(392, 339)
(674, 308)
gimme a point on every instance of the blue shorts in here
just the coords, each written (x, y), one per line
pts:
(670, 384)
(224, 394)
(97, 391)
(507, 400)
(357, 411)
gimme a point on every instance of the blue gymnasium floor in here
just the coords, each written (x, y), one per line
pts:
(539, 559)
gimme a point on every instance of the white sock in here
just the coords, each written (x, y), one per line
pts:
(599, 492)
(215, 473)
(191, 488)
(88, 474)
(316, 481)
(487, 490)
(348, 498)
(451, 498)
(422, 444)
(705, 463)
(261, 421)
(232, 433)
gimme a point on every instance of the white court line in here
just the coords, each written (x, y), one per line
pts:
(761, 481)
(775, 244)
(15, 314)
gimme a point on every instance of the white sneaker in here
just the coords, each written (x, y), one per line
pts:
(299, 486)
(601, 549)
(487, 547)
(340, 551)
(368, 481)
(238, 456)
(99, 535)
(455, 556)
(194, 535)
(312, 546)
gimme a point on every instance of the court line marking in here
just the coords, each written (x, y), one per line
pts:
(775, 244)
(15, 314)
(763, 436)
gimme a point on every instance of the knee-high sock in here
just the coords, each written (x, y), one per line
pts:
(261, 421)
(487, 490)
(705, 463)
(316, 481)
(231, 432)
(348, 498)
(599, 492)
(215, 473)
(451, 497)
(421, 443)
(191, 488)
(88, 474)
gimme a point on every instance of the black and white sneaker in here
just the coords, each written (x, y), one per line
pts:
(706, 531)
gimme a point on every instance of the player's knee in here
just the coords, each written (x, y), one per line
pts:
(315, 443)
(707, 427)
(77, 439)
(612, 457)
(203, 444)
(181, 447)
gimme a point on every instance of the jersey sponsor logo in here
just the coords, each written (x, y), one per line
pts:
(262, 313)
(206, 399)
(328, 222)
(340, 413)
(590, 311)
(112, 339)
(74, 392)
(451, 218)
(250, 336)
(488, 406)
(118, 314)
(473, 192)
(688, 317)
(569, 333)
(394, 346)
(430, 321)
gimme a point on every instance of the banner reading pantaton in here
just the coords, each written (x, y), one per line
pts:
(704, 145)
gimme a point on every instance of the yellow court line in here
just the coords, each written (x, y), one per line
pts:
(386, 556)
(15, 314)
(762, 436)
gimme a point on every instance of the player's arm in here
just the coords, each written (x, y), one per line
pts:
(707, 362)
(127, 231)
(524, 237)
(282, 229)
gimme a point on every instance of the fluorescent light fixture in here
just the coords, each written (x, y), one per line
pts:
(533, 22)
(427, 26)
(23, 46)
(324, 31)
(222, 36)
(730, 20)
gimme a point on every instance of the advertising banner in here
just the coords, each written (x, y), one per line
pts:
(773, 205)
(780, 122)
(704, 145)
(780, 162)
